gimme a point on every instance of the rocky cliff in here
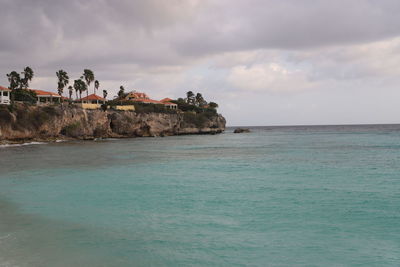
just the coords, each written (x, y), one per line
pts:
(24, 122)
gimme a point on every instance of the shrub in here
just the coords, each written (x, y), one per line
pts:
(72, 129)
(104, 107)
(5, 117)
(50, 110)
(24, 95)
(193, 118)
(99, 131)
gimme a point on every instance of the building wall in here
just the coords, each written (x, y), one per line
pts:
(127, 107)
(88, 106)
(5, 97)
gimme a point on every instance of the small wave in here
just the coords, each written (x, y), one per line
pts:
(23, 144)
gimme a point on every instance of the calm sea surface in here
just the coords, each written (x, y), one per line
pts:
(279, 196)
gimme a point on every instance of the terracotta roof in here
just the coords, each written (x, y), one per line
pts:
(137, 95)
(4, 88)
(44, 93)
(92, 97)
(151, 101)
(145, 100)
(166, 99)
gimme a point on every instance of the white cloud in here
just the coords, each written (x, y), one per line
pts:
(268, 77)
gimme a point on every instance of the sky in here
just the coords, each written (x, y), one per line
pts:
(265, 62)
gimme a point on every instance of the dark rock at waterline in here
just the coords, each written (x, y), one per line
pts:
(241, 130)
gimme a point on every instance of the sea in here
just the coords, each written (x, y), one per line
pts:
(277, 196)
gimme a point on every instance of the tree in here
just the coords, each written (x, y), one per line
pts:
(199, 101)
(213, 105)
(89, 78)
(15, 79)
(70, 91)
(121, 92)
(190, 98)
(63, 80)
(105, 93)
(96, 85)
(79, 86)
(28, 76)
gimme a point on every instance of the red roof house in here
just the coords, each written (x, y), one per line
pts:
(92, 99)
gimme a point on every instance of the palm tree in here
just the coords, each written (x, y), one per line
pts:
(15, 79)
(121, 92)
(89, 78)
(105, 93)
(76, 87)
(80, 86)
(70, 91)
(63, 80)
(190, 97)
(200, 100)
(28, 76)
(96, 85)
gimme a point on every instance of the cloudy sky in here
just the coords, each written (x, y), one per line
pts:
(266, 62)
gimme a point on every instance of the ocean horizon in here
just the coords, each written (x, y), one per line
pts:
(277, 196)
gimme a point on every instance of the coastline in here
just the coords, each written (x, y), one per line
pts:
(52, 123)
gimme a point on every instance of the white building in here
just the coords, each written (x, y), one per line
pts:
(45, 97)
(4, 95)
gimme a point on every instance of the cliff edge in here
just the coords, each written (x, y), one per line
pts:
(23, 122)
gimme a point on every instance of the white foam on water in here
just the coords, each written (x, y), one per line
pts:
(23, 144)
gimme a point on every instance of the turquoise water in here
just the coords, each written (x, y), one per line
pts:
(279, 196)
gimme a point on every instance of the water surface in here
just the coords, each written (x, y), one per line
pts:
(279, 196)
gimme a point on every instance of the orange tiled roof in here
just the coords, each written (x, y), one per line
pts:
(145, 100)
(2, 88)
(92, 97)
(137, 95)
(166, 100)
(44, 93)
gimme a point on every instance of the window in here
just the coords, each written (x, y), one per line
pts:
(5, 93)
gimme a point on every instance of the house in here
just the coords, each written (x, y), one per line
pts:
(167, 102)
(136, 95)
(45, 97)
(4, 95)
(92, 99)
(144, 98)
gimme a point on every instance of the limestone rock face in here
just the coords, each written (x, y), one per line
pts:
(25, 122)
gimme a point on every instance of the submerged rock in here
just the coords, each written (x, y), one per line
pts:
(241, 130)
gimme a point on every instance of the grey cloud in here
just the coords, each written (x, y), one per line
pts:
(290, 24)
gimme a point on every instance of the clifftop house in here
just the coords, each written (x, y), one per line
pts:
(92, 99)
(4, 95)
(46, 97)
(144, 98)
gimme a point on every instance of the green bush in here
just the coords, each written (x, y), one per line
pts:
(52, 111)
(72, 129)
(5, 117)
(24, 95)
(198, 120)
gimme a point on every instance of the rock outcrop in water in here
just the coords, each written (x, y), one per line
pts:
(241, 130)
(24, 122)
